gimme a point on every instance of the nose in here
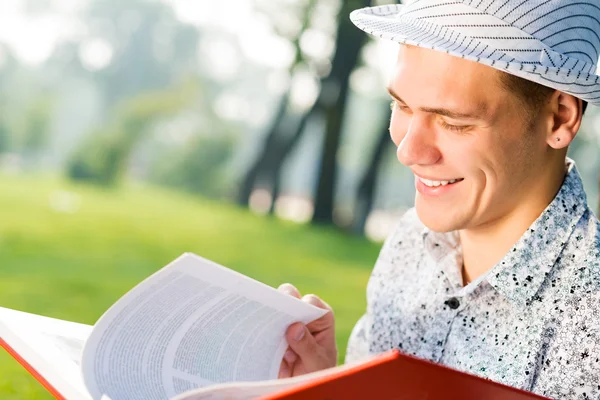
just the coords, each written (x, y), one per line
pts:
(418, 145)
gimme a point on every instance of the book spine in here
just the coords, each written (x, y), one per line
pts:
(31, 370)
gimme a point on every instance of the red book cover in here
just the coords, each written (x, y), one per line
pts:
(31, 370)
(397, 376)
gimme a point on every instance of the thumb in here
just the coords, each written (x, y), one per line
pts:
(303, 343)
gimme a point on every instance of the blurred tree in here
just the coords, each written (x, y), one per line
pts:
(103, 157)
(294, 137)
(11, 100)
(365, 195)
(136, 45)
(285, 138)
(136, 52)
(99, 159)
(5, 137)
(280, 138)
(198, 166)
(331, 101)
(333, 96)
(31, 130)
(36, 124)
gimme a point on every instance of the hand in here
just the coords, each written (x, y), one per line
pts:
(312, 347)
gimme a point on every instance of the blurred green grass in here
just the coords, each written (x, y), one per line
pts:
(73, 265)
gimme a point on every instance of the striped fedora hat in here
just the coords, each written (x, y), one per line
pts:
(552, 42)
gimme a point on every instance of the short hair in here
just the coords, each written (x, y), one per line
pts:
(532, 94)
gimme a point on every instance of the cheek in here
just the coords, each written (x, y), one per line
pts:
(507, 155)
(495, 162)
(466, 156)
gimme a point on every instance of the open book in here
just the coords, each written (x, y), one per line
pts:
(198, 331)
(190, 325)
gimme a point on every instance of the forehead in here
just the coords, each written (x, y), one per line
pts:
(431, 78)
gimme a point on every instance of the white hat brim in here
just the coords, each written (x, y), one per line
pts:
(383, 22)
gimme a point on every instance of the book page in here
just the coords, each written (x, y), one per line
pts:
(252, 390)
(191, 324)
(50, 346)
(241, 391)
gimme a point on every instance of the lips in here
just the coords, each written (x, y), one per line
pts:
(436, 183)
(437, 188)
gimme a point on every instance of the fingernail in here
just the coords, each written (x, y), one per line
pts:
(290, 356)
(299, 333)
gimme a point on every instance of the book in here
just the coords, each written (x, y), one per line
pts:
(388, 376)
(195, 330)
(191, 324)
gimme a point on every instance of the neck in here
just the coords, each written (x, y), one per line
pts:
(484, 246)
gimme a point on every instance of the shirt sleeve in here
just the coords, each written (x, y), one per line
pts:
(359, 342)
(571, 368)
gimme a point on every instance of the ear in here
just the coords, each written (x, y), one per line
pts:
(566, 113)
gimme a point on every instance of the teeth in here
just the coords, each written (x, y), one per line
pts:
(431, 183)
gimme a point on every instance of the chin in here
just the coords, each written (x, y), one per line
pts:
(436, 219)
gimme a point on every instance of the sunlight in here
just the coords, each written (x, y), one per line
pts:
(260, 201)
(33, 38)
(220, 57)
(96, 54)
(304, 91)
(294, 208)
(317, 44)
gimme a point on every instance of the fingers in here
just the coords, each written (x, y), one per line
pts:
(312, 347)
(304, 345)
(289, 289)
(316, 301)
(287, 364)
(290, 356)
(323, 329)
(326, 321)
(284, 370)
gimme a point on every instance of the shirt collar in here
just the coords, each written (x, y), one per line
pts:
(445, 250)
(520, 273)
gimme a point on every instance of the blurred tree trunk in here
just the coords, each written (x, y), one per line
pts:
(269, 150)
(334, 93)
(275, 169)
(268, 157)
(366, 189)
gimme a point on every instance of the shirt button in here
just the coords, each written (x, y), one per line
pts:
(453, 303)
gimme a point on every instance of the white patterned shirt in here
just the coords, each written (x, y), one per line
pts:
(532, 321)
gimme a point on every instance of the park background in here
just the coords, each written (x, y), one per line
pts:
(251, 132)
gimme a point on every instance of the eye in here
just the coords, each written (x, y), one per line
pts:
(450, 127)
(395, 104)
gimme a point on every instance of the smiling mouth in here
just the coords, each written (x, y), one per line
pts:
(431, 183)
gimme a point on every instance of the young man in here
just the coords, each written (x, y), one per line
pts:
(496, 271)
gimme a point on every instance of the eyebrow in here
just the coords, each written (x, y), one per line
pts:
(479, 114)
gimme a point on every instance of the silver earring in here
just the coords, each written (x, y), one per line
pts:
(558, 139)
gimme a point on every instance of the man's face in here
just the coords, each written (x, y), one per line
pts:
(475, 155)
